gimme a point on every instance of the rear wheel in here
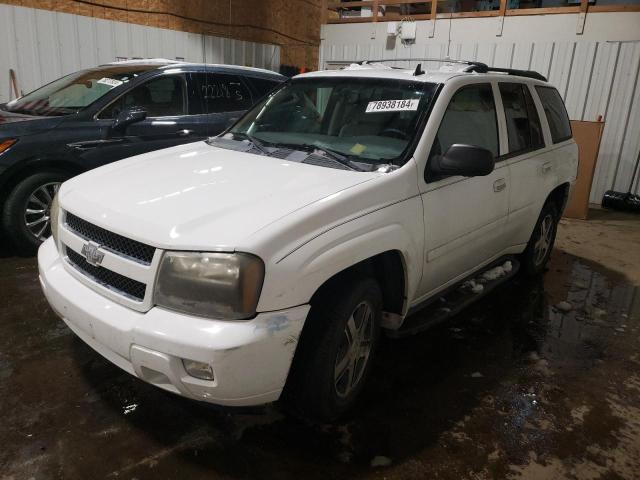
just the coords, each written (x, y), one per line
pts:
(538, 251)
(336, 350)
(26, 217)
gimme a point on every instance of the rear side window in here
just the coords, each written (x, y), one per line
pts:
(222, 92)
(556, 113)
(523, 123)
(262, 86)
(470, 119)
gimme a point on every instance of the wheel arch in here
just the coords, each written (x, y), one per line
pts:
(388, 268)
(559, 196)
(30, 167)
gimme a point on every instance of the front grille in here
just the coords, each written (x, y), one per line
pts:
(107, 278)
(111, 241)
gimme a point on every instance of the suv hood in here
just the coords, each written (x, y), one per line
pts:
(14, 124)
(199, 197)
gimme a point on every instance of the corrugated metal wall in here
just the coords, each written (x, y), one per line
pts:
(42, 45)
(594, 77)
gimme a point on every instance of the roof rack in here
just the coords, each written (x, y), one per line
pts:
(473, 66)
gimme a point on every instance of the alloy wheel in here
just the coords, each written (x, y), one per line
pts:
(37, 213)
(545, 239)
(354, 349)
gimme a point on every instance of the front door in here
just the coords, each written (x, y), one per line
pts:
(464, 216)
(167, 124)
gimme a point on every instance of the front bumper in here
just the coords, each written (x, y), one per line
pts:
(250, 359)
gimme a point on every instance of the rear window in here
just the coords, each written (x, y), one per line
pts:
(556, 113)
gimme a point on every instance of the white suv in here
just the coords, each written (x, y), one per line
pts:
(264, 263)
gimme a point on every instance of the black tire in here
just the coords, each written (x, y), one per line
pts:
(14, 221)
(312, 391)
(534, 260)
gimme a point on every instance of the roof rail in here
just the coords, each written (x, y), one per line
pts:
(482, 68)
(473, 66)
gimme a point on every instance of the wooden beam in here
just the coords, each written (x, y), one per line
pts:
(374, 10)
(324, 11)
(613, 8)
(541, 11)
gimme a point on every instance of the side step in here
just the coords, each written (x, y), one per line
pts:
(457, 298)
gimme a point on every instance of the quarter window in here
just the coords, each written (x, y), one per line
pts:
(523, 123)
(160, 97)
(556, 113)
(470, 119)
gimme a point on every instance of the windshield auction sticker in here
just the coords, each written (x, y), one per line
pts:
(112, 82)
(393, 105)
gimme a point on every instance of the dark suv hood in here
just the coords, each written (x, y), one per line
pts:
(18, 124)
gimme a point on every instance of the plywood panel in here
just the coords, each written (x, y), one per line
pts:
(587, 136)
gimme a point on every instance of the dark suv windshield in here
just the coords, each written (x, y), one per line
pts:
(367, 120)
(75, 91)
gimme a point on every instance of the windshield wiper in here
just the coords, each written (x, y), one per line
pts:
(333, 154)
(256, 143)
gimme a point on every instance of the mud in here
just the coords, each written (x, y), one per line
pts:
(514, 387)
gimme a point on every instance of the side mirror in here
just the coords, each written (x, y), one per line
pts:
(127, 117)
(464, 160)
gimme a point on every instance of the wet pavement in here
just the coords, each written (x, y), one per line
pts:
(521, 385)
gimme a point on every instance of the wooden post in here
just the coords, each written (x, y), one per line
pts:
(432, 20)
(374, 10)
(582, 16)
(501, 13)
(324, 11)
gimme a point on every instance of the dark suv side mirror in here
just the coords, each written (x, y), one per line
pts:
(127, 117)
(465, 160)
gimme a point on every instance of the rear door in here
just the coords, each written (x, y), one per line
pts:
(464, 216)
(223, 97)
(532, 165)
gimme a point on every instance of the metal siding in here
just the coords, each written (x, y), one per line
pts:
(42, 45)
(594, 78)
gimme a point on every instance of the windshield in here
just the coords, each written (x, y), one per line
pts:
(75, 91)
(368, 121)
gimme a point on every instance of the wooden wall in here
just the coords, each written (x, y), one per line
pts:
(292, 24)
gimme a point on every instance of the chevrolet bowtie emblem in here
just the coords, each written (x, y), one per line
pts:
(92, 253)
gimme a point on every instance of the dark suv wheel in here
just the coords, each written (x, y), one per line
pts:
(336, 350)
(26, 213)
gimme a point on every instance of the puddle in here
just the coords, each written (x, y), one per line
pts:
(512, 387)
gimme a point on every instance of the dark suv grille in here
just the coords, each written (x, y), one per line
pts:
(109, 240)
(107, 278)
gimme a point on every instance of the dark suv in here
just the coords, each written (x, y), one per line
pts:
(100, 115)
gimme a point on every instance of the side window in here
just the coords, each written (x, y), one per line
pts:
(161, 97)
(556, 113)
(225, 93)
(470, 119)
(523, 123)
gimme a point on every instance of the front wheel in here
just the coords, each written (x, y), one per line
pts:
(538, 251)
(336, 350)
(26, 214)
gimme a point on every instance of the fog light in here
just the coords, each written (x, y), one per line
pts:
(200, 370)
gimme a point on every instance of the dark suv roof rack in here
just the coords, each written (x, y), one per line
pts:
(477, 67)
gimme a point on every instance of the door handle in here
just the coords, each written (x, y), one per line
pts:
(546, 167)
(499, 185)
(184, 133)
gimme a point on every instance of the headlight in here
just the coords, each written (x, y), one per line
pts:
(215, 285)
(54, 215)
